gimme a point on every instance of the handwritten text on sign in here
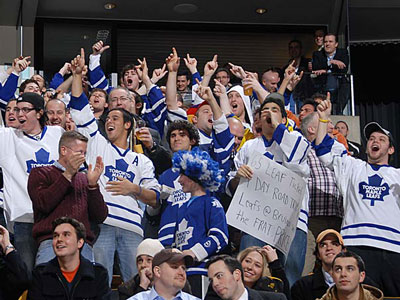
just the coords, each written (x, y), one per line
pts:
(267, 206)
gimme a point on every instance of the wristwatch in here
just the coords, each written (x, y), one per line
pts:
(9, 247)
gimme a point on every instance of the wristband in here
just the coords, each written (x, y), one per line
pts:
(9, 247)
(323, 121)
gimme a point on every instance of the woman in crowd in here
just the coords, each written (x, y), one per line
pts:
(262, 271)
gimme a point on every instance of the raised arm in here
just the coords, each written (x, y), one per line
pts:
(191, 64)
(324, 112)
(172, 62)
(220, 91)
(253, 82)
(77, 65)
(209, 70)
(7, 91)
(205, 93)
(97, 77)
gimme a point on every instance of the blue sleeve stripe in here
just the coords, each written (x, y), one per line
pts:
(305, 153)
(295, 149)
(278, 133)
(86, 124)
(125, 220)
(370, 225)
(304, 212)
(301, 220)
(325, 147)
(78, 103)
(372, 237)
(93, 133)
(124, 208)
(196, 76)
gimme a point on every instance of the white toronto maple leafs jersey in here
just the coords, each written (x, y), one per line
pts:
(289, 149)
(20, 154)
(371, 198)
(123, 211)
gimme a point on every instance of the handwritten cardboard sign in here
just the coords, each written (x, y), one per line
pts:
(268, 206)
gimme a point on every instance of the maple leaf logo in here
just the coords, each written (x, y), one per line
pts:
(216, 203)
(120, 170)
(374, 190)
(42, 159)
(184, 234)
(178, 197)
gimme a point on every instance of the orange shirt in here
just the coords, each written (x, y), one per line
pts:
(293, 117)
(340, 138)
(69, 276)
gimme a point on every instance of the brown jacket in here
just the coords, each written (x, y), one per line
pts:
(367, 292)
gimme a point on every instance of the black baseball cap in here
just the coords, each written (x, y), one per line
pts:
(36, 100)
(375, 127)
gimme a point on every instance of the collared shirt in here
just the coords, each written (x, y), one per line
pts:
(153, 295)
(245, 295)
(325, 198)
(329, 58)
(328, 278)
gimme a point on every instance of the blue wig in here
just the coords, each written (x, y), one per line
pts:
(198, 166)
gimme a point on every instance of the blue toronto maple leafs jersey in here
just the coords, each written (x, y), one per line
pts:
(198, 224)
(7, 90)
(220, 144)
(20, 154)
(123, 211)
(154, 110)
(371, 198)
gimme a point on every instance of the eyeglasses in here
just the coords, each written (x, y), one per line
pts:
(24, 110)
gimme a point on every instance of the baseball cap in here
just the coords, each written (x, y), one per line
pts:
(326, 232)
(276, 96)
(374, 127)
(193, 110)
(172, 256)
(149, 247)
(36, 100)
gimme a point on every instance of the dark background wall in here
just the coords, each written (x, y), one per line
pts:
(377, 81)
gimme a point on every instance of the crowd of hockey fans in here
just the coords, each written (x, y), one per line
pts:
(136, 180)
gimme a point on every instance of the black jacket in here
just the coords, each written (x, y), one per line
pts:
(309, 287)
(14, 277)
(262, 295)
(319, 62)
(90, 282)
